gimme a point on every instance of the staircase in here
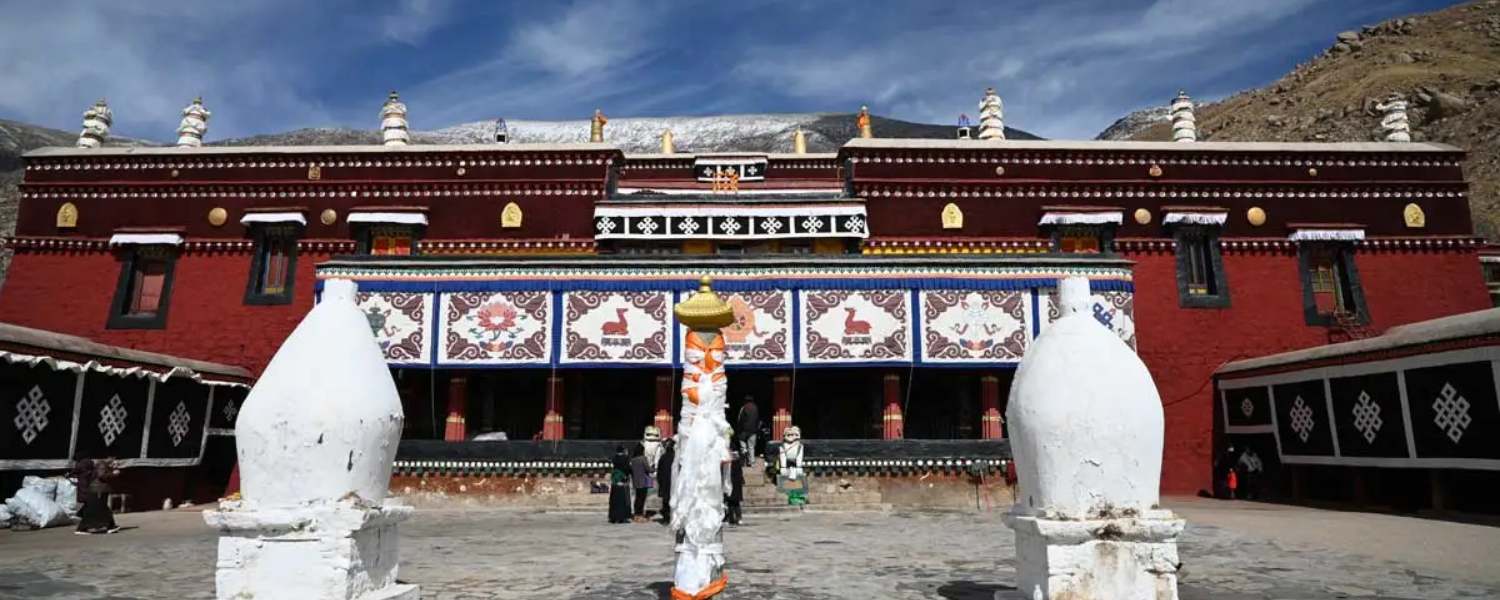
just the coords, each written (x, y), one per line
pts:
(761, 495)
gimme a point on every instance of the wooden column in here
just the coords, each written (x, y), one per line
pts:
(663, 419)
(781, 405)
(456, 429)
(989, 406)
(552, 423)
(894, 423)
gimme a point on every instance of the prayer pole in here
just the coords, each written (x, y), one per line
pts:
(699, 484)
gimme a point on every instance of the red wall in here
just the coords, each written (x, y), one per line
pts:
(1182, 347)
(207, 318)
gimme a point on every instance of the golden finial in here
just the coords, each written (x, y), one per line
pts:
(863, 120)
(596, 126)
(704, 310)
(799, 142)
(667, 147)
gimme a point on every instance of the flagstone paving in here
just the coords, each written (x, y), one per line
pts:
(809, 556)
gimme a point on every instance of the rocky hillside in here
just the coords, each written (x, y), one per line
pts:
(1446, 63)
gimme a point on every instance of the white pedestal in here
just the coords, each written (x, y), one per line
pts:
(1121, 558)
(333, 551)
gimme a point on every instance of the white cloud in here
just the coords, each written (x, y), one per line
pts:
(588, 37)
(413, 19)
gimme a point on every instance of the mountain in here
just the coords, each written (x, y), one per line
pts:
(1446, 63)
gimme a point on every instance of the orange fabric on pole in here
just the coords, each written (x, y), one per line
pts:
(712, 590)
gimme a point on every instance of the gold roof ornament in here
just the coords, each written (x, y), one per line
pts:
(866, 130)
(799, 141)
(596, 126)
(704, 310)
(667, 147)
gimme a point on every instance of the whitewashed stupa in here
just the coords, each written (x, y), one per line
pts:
(1087, 428)
(96, 122)
(317, 436)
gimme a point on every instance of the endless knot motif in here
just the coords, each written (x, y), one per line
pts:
(1105, 318)
(770, 225)
(112, 420)
(1247, 407)
(606, 225)
(1302, 421)
(812, 224)
(230, 410)
(854, 224)
(1367, 417)
(729, 226)
(31, 414)
(177, 424)
(647, 226)
(688, 226)
(1452, 413)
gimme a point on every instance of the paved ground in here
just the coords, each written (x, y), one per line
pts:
(1228, 550)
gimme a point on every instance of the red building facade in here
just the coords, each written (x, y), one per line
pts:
(886, 290)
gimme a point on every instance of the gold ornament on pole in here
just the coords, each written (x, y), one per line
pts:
(667, 147)
(799, 142)
(596, 126)
(863, 120)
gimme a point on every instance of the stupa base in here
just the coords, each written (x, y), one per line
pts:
(341, 551)
(1120, 558)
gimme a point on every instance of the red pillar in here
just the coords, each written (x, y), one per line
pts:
(552, 423)
(989, 398)
(781, 405)
(895, 424)
(664, 405)
(458, 400)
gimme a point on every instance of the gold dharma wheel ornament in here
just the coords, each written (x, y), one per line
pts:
(1142, 216)
(1256, 215)
(329, 216)
(217, 216)
(1154, 171)
(1312, 171)
(704, 310)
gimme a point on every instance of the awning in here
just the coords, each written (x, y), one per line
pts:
(1195, 218)
(145, 239)
(273, 217)
(1327, 233)
(1082, 217)
(396, 218)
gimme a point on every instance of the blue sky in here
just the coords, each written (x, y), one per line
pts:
(1065, 68)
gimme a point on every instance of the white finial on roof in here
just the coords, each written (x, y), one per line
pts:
(991, 116)
(194, 124)
(393, 128)
(1184, 124)
(1394, 124)
(96, 122)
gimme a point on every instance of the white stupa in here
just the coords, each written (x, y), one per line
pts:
(393, 126)
(1394, 125)
(316, 439)
(1087, 428)
(194, 124)
(96, 122)
(991, 116)
(1184, 124)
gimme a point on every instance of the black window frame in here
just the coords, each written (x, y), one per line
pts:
(1343, 253)
(364, 236)
(1104, 231)
(1184, 236)
(262, 233)
(131, 256)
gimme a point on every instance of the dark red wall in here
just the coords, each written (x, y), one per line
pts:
(1182, 347)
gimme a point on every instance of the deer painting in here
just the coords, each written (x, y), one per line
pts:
(618, 326)
(853, 326)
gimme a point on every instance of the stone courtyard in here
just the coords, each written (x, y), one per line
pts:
(1232, 550)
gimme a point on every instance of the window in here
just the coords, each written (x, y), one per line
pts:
(1200, 269)
(388, 240)
(1330, 284)
(143, 289)
(1082, 239)
(274, 267)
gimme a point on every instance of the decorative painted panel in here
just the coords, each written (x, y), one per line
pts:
(762, 329)
(974, 326)
(484, 328)
(616, 327)
(856, 326)
(1115, 310)
(400, 321)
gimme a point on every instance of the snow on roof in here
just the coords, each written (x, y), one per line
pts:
(62, 151)
(935, 144)
(70, 344)
(1465, 325)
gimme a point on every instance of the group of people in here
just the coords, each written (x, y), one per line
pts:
(648, 467)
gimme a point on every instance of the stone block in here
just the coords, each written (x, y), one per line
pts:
(1120, 558)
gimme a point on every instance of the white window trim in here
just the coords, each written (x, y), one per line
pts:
(398, 218)
(1195, 218)
(1327, 235)
(1083, 218)
(145, 239)
(274, 217)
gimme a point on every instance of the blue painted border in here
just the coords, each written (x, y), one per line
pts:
(730, 285)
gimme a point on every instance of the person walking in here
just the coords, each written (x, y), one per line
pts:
(640, 479)
(619, 487)
(92, 478)
(736, 495)
(746, 426)
(664, 477)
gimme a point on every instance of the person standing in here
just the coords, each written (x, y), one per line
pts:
(619, 487)
(92, 477)
(747, 425)
(736, 494)
(664, 477)
(640, 479)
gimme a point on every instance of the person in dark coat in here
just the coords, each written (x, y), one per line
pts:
(640, 479)
(92, 478)
(736, 495)
(746, 426)
(619, 487)
(664, 477)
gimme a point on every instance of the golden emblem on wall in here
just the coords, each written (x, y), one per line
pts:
(1256, 215)
(314, 172)
(1414, 216)
(1142, 216)
(217, 216)
(67, 215)
(953, 217)
(1154, 171)
(510, 216)
(329, 216)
